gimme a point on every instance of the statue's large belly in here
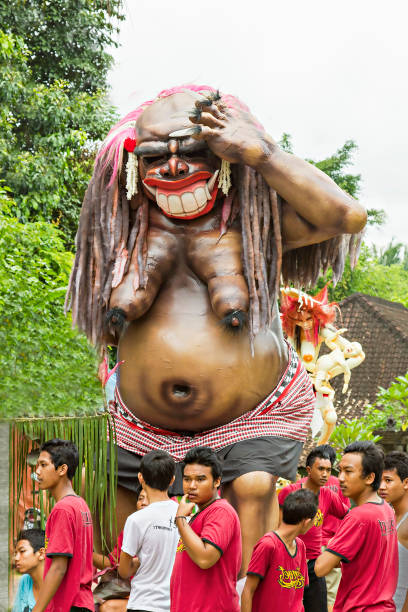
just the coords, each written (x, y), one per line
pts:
(184, 371)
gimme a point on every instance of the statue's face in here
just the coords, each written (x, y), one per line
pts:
(302, 318)
(180, 175)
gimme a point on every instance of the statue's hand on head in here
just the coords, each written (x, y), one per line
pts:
(231, 134)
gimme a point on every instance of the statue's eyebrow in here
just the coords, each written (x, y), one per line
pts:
(151, 148)
(157, 147)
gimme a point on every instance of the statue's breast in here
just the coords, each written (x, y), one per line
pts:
(183, 370)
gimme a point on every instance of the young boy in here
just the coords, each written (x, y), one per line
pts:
(278, 570)
(29, 560)
(151, 534)
(209, 554)
(318, 466)
(366, 541)
(68, 533)
(394, 489)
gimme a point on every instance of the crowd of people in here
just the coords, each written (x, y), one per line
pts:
(341, 543)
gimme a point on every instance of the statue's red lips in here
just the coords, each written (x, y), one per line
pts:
(177, 184)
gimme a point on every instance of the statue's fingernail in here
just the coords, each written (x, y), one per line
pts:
(186, 132)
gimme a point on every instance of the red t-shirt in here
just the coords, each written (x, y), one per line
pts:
(331, 523)
(368, 546)
(207, 590)
(283, 576)
(329, 503)
(69, 533)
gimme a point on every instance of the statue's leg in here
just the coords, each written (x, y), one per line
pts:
(254, 498)
(250, 471)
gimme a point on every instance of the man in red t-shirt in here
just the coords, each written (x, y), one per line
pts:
(366, 542)
(208, 557)
(318, 466)
(330, 526)
(277, 571)
(68, 533)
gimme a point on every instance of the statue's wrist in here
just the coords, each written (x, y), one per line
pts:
(269, 151)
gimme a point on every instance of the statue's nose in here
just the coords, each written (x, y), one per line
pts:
(174, 167)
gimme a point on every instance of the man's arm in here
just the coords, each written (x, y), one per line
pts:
(204, 554)
(337, 508)
(325, 563)
(128, 565)
(51, 582)
(251, 584)
(100, 560)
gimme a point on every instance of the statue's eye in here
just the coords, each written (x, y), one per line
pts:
(148, 161)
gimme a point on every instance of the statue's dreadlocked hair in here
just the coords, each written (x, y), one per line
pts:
(110, 230)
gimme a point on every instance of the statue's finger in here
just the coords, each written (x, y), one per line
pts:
(205, 132)
(209, 107)
(208, 119)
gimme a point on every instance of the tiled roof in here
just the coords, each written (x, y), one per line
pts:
(381, 327)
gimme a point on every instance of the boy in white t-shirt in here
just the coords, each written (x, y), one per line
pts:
(152, 536)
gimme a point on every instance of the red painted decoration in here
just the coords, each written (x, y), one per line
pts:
(129, 144)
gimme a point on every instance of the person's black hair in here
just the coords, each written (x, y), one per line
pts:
(138, 491)
(398, 461)
(372, 458)
(62, 452)
(318, 453)
(204, 455)
(157, 468)
(36, 537)
(326, 448)
(299, 505)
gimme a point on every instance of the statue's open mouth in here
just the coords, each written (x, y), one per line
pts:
(185, 198)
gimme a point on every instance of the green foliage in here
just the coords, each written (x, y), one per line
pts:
(391, 403)
(67, 38)
(350, 431)
(47, 367)
(335, 166)
(389, 282)
(47, 140)
(390, 254)
(376, 217)
(92, 481)
(285, 142)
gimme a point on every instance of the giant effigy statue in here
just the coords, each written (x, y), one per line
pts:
(192, 216)
(308, 324)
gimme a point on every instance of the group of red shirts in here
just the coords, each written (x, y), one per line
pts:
(69, 534)
(364, 538)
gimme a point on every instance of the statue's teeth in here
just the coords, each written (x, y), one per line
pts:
(200, 196)
(162, 201)
(189, 202)
(212, 180)
(175, 205)
(186, 205)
